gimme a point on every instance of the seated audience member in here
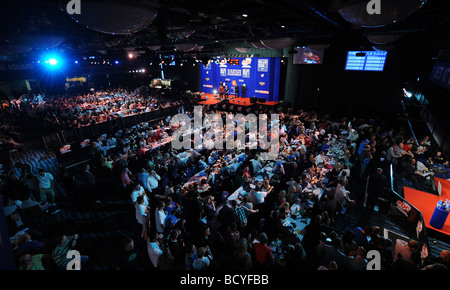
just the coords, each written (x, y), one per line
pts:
(64, 244)
(35, 262)
(26, 245)
(189, 205)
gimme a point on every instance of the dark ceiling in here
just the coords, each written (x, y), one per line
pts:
(30, 26)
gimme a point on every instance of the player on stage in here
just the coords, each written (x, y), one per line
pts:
(227, 91)
(243, 90)
(221, 90)
(236, 91)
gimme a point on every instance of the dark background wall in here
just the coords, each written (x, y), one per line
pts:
(186, 77)
(330, 88)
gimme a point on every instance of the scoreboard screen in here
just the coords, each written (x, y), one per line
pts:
(234, 61)
(366, 60)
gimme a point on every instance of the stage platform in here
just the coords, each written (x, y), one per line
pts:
(426, 203)
(211, 99)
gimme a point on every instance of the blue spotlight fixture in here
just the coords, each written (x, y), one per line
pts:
(52, 62)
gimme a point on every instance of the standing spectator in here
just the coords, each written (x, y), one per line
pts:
(263, 254)
(87, 177)
(129, 257)
(154, 248)
(142, 215)
(333, 253)
(125, 177)
(32, 183)
(153, 180)
(139, 191)
(190, 256)
(203, 260)
(375, 189)
(357, 262)
(405, 249)
(311, 235)
(341, 195)
(160, 218)
(46, 186)
(362, 236)
(241, 213)
(143, 178)
(242, 260)
(176, 247)
(365, 158)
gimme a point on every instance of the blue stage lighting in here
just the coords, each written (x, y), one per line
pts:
(53, 61)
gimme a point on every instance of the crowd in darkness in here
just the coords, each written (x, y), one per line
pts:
(181, 198)
(78, 110)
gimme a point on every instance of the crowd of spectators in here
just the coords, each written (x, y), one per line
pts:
(78, 110)
(182, 198)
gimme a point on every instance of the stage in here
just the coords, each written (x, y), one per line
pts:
(426, 202)
(211, 99)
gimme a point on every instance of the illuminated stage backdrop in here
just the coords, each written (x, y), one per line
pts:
(261, 76)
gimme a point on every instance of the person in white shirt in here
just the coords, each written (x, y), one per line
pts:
(46, 186)
(421, 169)
(320, 157)
(203, 260)
(341, 195)
(353, 135)
(153, 248)
(426, 141)
(153, 180)
(256, 197)
(142, 213)
(160, 218)
(345, 172)
(394, 154)
(139, 191)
